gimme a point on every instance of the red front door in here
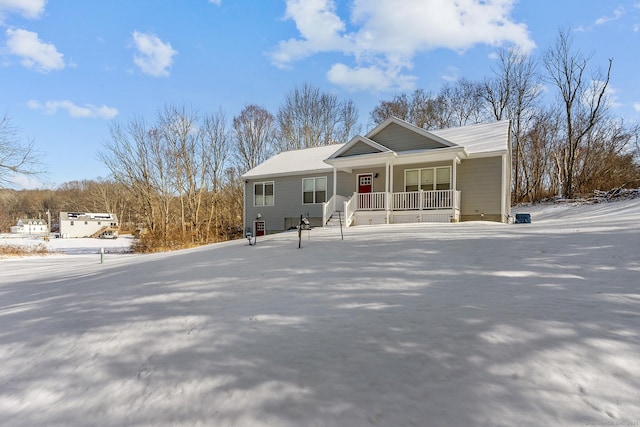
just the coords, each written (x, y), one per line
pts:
(365, 183)
(365, 187)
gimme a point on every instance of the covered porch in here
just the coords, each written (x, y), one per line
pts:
(395, 207)
(388, 187)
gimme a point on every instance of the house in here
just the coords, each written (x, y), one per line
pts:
(84, 224)
(397, 173)
(30, 226)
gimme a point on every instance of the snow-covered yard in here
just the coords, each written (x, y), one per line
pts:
(403, 325)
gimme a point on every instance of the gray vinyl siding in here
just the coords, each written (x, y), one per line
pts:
(348, 183)
(287, 201)
(359, 148)
(398, 138)
(480, 184)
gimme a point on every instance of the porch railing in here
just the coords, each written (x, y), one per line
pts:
(418, 200)
(334, 204)
(409, 200)
(350, 208)
(372, 201)
(403, 201)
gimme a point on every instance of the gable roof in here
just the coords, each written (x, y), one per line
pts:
(359, 145)
(394, 121)
(480, 138)
(307, 160)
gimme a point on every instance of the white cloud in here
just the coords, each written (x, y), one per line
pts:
(154, 57)
(74, 111)
(451, 75)
(31, 9)
(319, 27)
(34, 52)
(610, 94)
(387, 35)
(617, 14)
(216, 2)
(369, 78)
(636, 107)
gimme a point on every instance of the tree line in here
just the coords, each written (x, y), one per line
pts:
(177, 180)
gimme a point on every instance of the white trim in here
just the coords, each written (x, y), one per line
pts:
(503, 192)
(357, 139)
(273, 184)
(411, 128)
(371, 174)
(487, 154)
(454, 175)
(269, 176)
(314, 178)
(435, 177)
(347, 164)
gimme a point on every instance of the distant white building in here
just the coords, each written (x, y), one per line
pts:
(85, 224)
(30, 226)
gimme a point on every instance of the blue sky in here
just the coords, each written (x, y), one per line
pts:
(69, 67)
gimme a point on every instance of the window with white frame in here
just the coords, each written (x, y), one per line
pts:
(427, 179)
(314, 190)
(263, 193)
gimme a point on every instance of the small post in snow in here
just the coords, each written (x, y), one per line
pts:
(304, 222)
(101, 255)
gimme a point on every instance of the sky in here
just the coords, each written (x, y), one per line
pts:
(68, 68)
(467, 324)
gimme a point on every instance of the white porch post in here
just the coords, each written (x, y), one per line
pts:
(335, 185)
(454, 183)
(454, 172)
(387, 182)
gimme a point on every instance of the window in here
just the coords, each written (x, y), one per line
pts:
(427, 179)
(314, 190)
(263, 193)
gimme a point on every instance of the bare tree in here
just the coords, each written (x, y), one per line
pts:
(17, 157)
(400, 106)
(513, 93)
(606, 158)
(462, 104)
(535, 161)
(136, 159)
(254, 133)
(349, 126)
(420, 108)
(174, 169)
(216, 139)
(582, 98)
(310, 118)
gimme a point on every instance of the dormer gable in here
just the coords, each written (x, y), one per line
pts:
(398, 135)
(359, 145)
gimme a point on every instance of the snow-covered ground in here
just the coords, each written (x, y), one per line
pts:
(401, 325)
(70, 246)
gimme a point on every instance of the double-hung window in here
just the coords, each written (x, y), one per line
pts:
(314, 190)
(263, 193)
(427, 179)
